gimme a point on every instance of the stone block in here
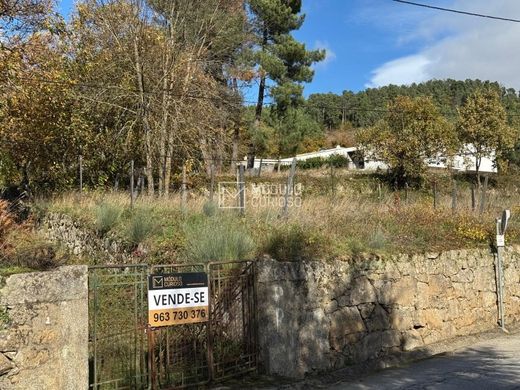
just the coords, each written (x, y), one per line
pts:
(6, 364)
(378, 319)
(343, 322)
(390, 339)
(411, 340)
(361, 291)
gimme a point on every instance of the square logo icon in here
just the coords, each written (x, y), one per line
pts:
(157, 282)
(229, 194)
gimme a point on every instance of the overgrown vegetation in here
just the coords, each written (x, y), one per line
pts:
(359, 216)
(23, 247)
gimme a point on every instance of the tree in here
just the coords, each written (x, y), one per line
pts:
(278, 56)
(483, 129)
(165, 65)
(411, 132)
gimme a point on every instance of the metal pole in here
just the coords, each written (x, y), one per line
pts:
(454, 197)
(80, 176)
(434, 194)
(212, 183)
(183, 187)
(241, 188)
(289, 187)
(332, 184)
(260, 167)
(483, 195)
(132, 184)
(499, 276)
(279, 163)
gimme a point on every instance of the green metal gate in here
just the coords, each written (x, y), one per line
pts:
(126, 354)
(117, 326)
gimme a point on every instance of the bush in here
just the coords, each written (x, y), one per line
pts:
(25, 248)
(217, 239)
(294, 243)
(140, 226)
(335, 160)
(6, 219)
(107, 216)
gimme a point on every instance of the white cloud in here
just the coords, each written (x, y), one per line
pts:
(329, 53)
(404, 70)
(460, 47)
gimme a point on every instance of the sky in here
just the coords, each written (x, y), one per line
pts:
(371, 43)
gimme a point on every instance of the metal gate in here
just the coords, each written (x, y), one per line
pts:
(126, 354)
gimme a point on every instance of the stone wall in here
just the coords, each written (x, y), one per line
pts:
(80, 241)
(44, 330)
(317, 316)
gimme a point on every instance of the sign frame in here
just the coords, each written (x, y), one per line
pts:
(177, 298)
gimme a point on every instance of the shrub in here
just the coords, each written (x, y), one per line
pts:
(6, 219)
(107, 216)
(140, 226)
(209, 209)
(25, 248)
(378, 239)
(217, 239)
(296, 242)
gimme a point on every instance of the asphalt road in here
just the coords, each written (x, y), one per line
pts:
(492, 364)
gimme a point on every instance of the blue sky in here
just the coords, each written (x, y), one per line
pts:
(372, 43)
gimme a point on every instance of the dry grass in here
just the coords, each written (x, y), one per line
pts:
(345, 219)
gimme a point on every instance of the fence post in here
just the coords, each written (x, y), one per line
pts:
(241, 189)
(260, 168)
(279, 163)
(332, 181)
(454, 197)
(499, 277)
(290, 179)
(183, 187)
(406, 193)
(80, 176)
(434, 194)
(132, 184)
(483, 195)
(212, 183)
(473, 199)
(379, 192)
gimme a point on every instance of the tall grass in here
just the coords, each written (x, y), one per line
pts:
(358, 219)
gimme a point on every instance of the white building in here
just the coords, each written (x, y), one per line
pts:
(463, 161)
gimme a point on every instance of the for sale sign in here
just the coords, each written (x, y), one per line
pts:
(175, 299)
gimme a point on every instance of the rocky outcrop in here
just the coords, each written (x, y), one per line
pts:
(316, 316)
(44, 330)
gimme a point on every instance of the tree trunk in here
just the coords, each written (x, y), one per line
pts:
(258, 118)
(478, 161)
(144, 119)
(168, 164)
(259, 107)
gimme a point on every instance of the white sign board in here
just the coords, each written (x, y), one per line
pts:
(501, 241)
(175, 299)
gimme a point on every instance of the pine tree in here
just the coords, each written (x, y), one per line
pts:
(278, 56)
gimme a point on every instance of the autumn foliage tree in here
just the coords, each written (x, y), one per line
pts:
(483, 128)
(411, 132)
